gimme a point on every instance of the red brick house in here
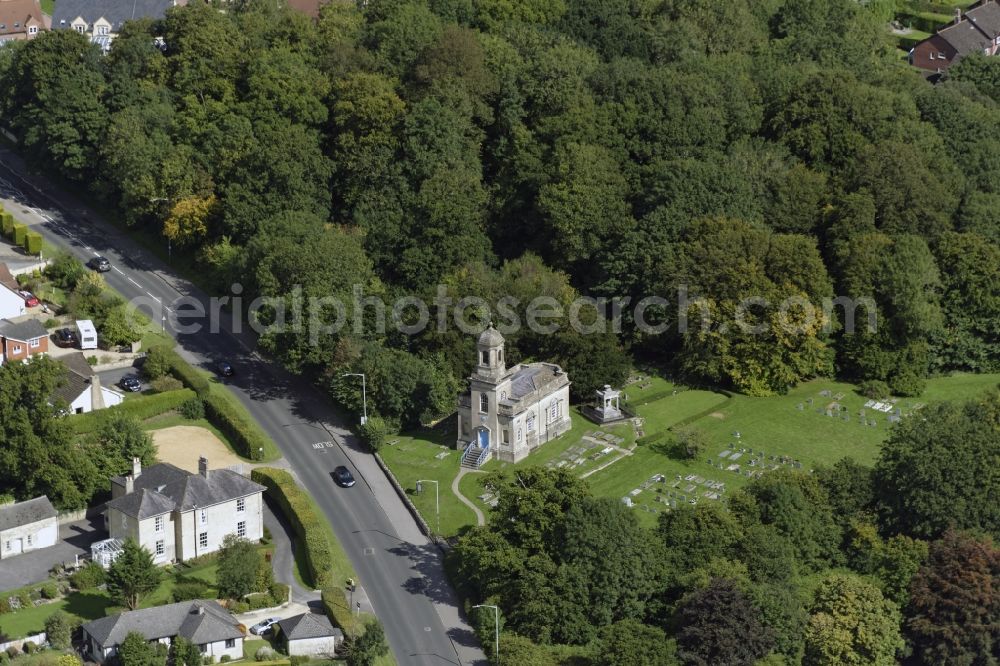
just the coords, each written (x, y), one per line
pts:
(21, 19)
(23, 339)
(975, 31)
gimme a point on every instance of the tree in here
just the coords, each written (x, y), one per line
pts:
(849, 488)
(68, 660)
(691, 442)
(720, 627)
(121, 326)
(632, 643)
(132, 575)
(189, 219)
(363, 650)
(186, 653)
(935, 470)
(117, 441)
(59, 630)
(954, 606)
(239, 561)
(135, 650)
(851, 623)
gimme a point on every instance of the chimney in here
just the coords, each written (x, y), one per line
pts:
(96, 395)
(203, 466)
(136, 468)
(958, 15)
(129, 484)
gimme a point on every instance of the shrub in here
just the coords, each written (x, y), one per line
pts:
(91, 575)
(25, 598)
(225, 658)
(263, 653)
(374, 432)
(239, 607)
(297, 659)
(59, 630)
(4, 657)
(50, 590)
(193, 409)
(29, 647)
(157, 363)
(338, 609)
(165, 384)
(279, 593)
(4, 605)
(7, 220)
(33, 243)
(875, 389)
(300, 513)
(266, 538)
(907, 383)
(244, 435)
(51, 322)
(20, 231)
(12, 651)
(260, 600)
(65, 270)
(208, 659)
(92, 359)
(189, 589)
(142, 408)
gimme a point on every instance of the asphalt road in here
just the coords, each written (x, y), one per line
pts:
(401, 573)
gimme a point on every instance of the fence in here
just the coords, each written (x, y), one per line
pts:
(37, 639)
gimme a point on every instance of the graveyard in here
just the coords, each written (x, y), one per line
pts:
(817, 423)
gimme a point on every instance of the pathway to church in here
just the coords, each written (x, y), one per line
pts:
(480, 518)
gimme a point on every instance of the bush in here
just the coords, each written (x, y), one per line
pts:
(907, 383)
(4, 657)
(263, 653)
(374, 432)
(190, 589)
(25, 598)
(297, 659)
(91, 575)
(245, 436)
(51, 322)
(260, 600)
(165, 384)
(239, 607)
(266, 538)
(875, 389)
(49, 590)
(225, 658)
(4, 605)
(29, 647)
(142, 408)
(65, 270)
(12, 651)
(338, 609)
(20, 231)
(33, 243)
(307, 524)
(208, 659)
(193, 409)
(59, 629)
(7, 220)
(279, 593)
(157, 363)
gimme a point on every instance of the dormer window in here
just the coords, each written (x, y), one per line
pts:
(3, 26)
(17, 25)
(33, 30)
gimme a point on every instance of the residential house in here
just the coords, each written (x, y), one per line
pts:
(178, 515)
(309, 634)
(22, 339)
(21, 20)
(81, 388)
(27, 526)
(977, 30)
(506, 414)
(102, 20)
(11, 302)
(205, 623)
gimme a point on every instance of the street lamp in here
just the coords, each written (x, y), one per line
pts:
(364, 393)
(437, 500)
(496, 617)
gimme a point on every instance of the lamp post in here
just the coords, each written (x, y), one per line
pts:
(437, 500)
(364, 394)
(496, 618)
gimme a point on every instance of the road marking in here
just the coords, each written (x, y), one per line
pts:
(318, 445)
(133, 282)
(369, 551)
(118, 270)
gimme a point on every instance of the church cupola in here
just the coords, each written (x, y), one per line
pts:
(489, 349)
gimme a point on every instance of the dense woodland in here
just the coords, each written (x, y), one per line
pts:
(517, 147)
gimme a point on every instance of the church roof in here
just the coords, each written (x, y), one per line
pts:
(530, 382)
(490, 337)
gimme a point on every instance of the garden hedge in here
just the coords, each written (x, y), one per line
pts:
(243, 434)
(141, 407)
(20, 231)
(33, 243)
(7, 220)
(188, 375)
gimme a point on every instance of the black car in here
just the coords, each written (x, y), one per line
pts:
(343, 477)
(130, 383)
(65, 337)
(224, 368)
(100, 264)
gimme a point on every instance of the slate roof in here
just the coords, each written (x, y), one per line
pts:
(115, 11)
(308, 625)
(26, 513)
(16, 14)
(532, 381)
(164, 487)
(71, 387)
(77, 362)
(965, 37)
(7, 278)
(180, 619)
(986, 17)
(23, 331)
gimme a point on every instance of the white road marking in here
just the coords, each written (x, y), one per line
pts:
(133, 282)
(118, 270)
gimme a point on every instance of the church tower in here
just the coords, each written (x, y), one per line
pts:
(489, 349)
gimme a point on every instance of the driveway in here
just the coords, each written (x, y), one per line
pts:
(74, 539)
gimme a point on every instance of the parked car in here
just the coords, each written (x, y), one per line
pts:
(30, 299)
(100, 264)
(343, 477)
(130, 383)
(264, 626)
(65, 337)
(224, 368)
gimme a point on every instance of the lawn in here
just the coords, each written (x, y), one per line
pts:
(793, 428)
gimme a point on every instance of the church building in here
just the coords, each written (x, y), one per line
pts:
(507, 414)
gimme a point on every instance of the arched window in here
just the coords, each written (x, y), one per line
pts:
(484, 402)
(531, 423)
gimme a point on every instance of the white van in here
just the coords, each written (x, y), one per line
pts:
(88, 334)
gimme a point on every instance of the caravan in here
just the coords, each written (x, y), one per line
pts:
(88, 334)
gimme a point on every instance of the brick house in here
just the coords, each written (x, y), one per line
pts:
(23, 339)
(21, 20)
(975, 31)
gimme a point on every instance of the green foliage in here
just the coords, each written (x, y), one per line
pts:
(7, 224)
(59, 629)
(139, 408)
(121, 325)
(49, 590)
(246, 436)
(263, 653)
(631, 643)
(875, 389)
(157, 362)
(166, 385)
(193, 409)
(691, 442)
(65, 270)
(363, 650)
(88, 577)
(136, 651)
(33, 243)
(132, 575)
(719, 625)
(307, 525)
(188, 590)
(374, 432)
(20, 233)
(239, 561)
(29, 647)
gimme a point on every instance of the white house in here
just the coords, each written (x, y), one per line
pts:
(81, 389)
(205, 623)
(310, 634)
(11, 302)
(178, 515)
(27, 526)
(508, 413)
